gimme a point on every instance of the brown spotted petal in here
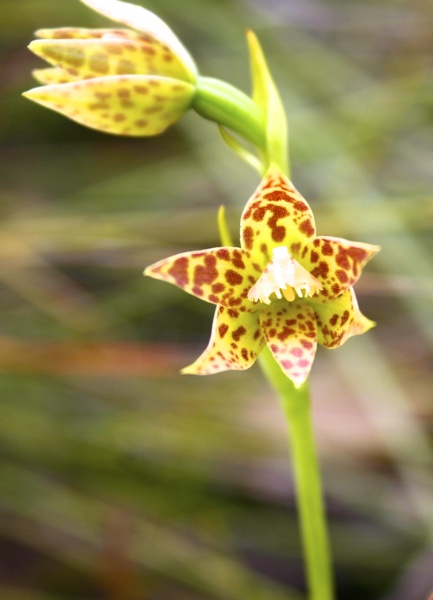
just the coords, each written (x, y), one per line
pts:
(339, 319)
(110, 54)
(81, 33)
(235, 343)
(336, 263)
(291, 335)
(52, 76)
(152, 28)
(221, 276)
(134, 105)
(276, 215)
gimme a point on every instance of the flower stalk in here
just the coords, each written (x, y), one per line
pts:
(283, 290)
(296, 406)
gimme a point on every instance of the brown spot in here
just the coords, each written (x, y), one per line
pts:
(141, 123)
(233, 277)
(333, 320)
(234, 301)
(307, 227)
(217, 288)
(327, 249)
(342, 260)
(141, 89)
(205, 274)
(98, 63)
(223, 254)
(238, 333)
(118, 117)
(248, 237)
(123, 93)
(152, 110)
(342, 276)
(345, 317)
(301, 206)
(222, 329)
(197, 291)
(321, 270)
(233, 313)
(257, 334)
(277, 195)
(285, 333)
(148, 50)
(237, 260)
(179, 271)
(314, 256)
(244, 353)
(336, 289)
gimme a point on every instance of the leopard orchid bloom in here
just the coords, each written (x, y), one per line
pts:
(134, 82)
(283, 287)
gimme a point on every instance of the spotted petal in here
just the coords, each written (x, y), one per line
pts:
(81, 33)
(148, 23)
(112, 54)
(290, 332)
(339, 319)
(276, 215)
(135, 105)
(220, 276)
(52, 75)
(235, 343)
(336, 263)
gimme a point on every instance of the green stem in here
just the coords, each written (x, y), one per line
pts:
(296, 408)
(226, 105)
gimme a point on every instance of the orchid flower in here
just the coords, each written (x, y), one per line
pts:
(283, 287)
(134, 82)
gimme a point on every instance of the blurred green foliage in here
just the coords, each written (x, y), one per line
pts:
(119, 478)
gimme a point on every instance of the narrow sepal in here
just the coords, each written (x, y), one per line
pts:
(291, 335)
(112, 54)
(81, 33)
(133, 105)
(219, 275)
(276, 215)
(148, 23)
(52, 75)
(339, 319)
(235, 343)
(336, 263)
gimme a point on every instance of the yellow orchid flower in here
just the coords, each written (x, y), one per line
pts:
(134, 82)
(283, 287)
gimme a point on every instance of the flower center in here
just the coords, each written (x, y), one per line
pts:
(283, 276)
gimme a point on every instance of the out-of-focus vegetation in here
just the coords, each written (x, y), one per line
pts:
(119, 478)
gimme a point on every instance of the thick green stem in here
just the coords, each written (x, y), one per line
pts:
(226, 105)
(296, 407)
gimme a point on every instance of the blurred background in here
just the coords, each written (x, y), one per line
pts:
(121, 479)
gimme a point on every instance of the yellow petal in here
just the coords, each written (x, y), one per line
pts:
(112, 55)
(336, 263)
(52, 75)
(290, 333)
(219, 275)
(339, 319)
(132, 105)
(148, 23)
(276, 215)
(234, 344)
